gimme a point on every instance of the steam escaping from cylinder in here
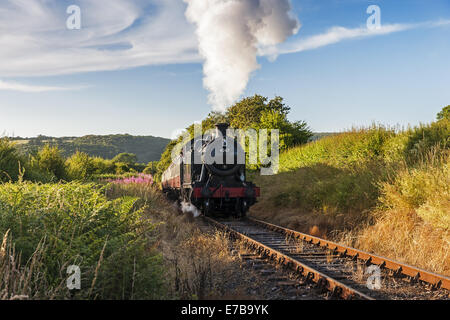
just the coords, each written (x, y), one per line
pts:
(230, 33)
(188, 207)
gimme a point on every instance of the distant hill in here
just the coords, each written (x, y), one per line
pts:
(147, 148)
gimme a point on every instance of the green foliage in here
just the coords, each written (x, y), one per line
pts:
(255, 112)
(49, 160)
(121, 167)
(10, 161)
(147, 148)
(424, 137)
(80, 166)
(342, 150)
(127, 158)
(102, 166)
(259, 112)
(376, 143)
(48, 165)
(151, 168)
(444, 114)
(73, 223)
(338, 179)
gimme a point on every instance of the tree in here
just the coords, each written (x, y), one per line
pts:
(80, 166)
(255, 112)
(151, 168)
(49, 159)
(9, 161)
(444, 114)
(127, 158)
(259, 112)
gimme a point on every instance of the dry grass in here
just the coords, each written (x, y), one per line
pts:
(381, 191)
(25, 281)
(413, 223)
(198, 264)
(201, 266)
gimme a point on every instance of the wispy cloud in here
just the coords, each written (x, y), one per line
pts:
(122, 34)
(15, 86)
(115, 34)
(338, 34)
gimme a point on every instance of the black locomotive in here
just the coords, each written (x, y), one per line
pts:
(212, 186)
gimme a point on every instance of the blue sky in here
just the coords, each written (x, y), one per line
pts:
(51, 84)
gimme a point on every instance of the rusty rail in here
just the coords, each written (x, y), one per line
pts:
(336, 287)
(416, 274)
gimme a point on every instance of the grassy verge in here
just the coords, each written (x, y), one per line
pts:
(48, 227)
(198, 264)
(378, 189)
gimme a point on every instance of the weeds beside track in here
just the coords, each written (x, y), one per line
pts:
(335, 268)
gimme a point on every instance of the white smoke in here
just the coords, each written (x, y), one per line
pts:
(188, 207)
(230, 33)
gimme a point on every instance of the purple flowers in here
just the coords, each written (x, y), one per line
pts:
(139, 179)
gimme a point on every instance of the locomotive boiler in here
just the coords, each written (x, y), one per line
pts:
(210, 174)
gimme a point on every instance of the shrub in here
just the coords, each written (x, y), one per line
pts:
(422, 138)
(121, 168)
(10, 161)
(151, 168)
(50, 161)
(444, 114)
(127, 158)
(102, 166)
(80, 166)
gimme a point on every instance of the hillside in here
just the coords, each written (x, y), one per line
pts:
(147, 148)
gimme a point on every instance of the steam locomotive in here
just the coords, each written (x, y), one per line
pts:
(210, 174)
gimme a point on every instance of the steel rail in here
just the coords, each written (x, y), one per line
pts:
(416, 274)
(336, 287)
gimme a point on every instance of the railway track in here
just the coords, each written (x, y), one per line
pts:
(339, 270)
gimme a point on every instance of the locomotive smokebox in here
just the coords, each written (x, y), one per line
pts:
(221, 129)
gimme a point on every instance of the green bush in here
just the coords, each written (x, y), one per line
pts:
(76, 224)
(444, 114)
(102, 166)
(341, 150)
(422, 138)
(49, 161)
(80, 166)
(127, 158)
(151, 168)
(10, 161)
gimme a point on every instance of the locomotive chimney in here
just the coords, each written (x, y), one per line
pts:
(221, 128)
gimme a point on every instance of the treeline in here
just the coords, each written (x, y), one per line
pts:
(48, 164)
(255, 112)
(146, 148)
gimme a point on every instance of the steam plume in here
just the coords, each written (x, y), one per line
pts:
(187, 207)
(230, 33)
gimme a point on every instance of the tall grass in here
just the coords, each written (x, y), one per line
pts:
(198, 265)
(413, 219)
(367, 184)
(57, 225)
